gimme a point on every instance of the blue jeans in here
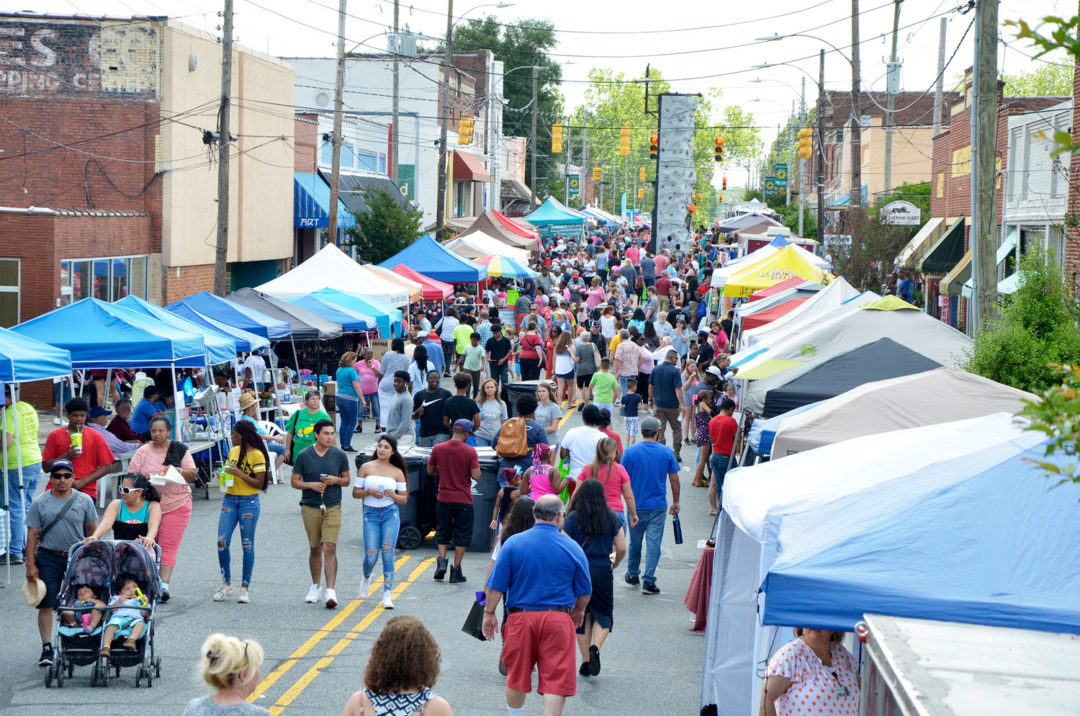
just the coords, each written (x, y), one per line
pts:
(485, 442)
(650, 526)
(719, 465)
(242, 510)
(347, 409)
(622, 383)
(373, 407)
(499, 373)
(381, 527)
(19, 504)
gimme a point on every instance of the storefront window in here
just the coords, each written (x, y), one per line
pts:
(107, 279)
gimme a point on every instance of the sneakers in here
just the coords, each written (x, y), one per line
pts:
(165, 592)
(650, 588)
(244, 597)
(456, 577)
(331, 599)
(8, 559)
(633, 581)
(365, 587)
(46, 658)
(387, 601)
(57, 421)
(594, 660)
(440, 567)
(312, 594)
(224, 591)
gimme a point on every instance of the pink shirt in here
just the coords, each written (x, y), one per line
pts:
(628, 356)
(148, 462)
(634, 255)
(540, 483)
(661, 263)
(369, 383)
(645, 362)
(613, 478)
(594, 297)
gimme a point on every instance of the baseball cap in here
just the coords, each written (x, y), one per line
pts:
(464, 425)
(97, 411)
(649, 425)
(715, 371)
(58, 464)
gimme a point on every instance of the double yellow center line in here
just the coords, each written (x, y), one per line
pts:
(334, 651)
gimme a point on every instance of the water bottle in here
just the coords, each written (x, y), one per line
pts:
(225, 479)
(677, 526)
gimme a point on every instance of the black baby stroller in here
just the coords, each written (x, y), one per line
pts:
(88, 565)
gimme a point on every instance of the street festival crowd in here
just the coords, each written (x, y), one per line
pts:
(606, 327)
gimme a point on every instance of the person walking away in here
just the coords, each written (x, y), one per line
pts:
(603, 387)
(457, 465)
(531, 353)
(604, 426)
(588, 359)
(544, 576)
(435, 356)
(429, 406)
(320, 472)
(23, 470)
(594, 526)
(247, 464)
(723, 430)
(648, 463)
(646, 365)
(300, 428)
(85, 449)
(665, 397)
(461, 406)
(349, 396)
(579, 444)
(393, 361)
(525, 407)
(472, 361)
(446, 327)
(499, 353)
(492, 414)
(155, 458)
(382, 483)
(543, 477)
(400, 416)
(566, 359)
(630, 403)
(58, 518)
(369, 373)
(231, 666)
(627, 357)
(616, 483)
(402, 668)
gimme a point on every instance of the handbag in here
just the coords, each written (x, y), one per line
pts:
(474, 622)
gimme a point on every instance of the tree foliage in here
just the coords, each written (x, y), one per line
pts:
(1057, 416)
(1043, 81)
(1037, 327)
(1062, 35)
(385, 228)
(867, 263)
(523, 44)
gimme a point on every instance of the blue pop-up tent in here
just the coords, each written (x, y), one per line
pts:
(552, 218)
(989, 545)
(236, 315)
(221, 349)
(104, 335)
(429, 257)
(23, 359)
(387, 318)
(349, 320)
(245, 341)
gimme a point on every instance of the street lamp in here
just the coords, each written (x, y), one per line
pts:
(444, 102)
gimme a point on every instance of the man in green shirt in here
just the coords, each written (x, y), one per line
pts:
(23, 469)
(603, 387)
(472, 361)
(462, 334)
(299, 433)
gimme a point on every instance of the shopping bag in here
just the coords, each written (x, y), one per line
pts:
(474, 623)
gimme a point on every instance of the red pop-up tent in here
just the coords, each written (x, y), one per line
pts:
(432, 290)
(515, 226)
(755, 320)
(777, 288)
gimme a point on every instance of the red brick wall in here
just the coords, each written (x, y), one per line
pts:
(306, 142)
(190, 281)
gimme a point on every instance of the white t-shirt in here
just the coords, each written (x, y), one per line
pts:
(581, 442)
(379, 482)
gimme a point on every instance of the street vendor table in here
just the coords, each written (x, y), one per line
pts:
(697, 594)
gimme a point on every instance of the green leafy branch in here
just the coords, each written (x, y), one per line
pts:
(1062, 36)
(1057, 416)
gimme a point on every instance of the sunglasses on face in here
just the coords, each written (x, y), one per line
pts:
(129, 490)
(62, 475)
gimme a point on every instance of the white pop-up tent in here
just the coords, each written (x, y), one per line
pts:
(332, 268)
(826, 300)
(757, 500)
(932, 397)
(477, 244)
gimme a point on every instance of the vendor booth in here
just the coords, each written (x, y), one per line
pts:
(820, 305)
(234, 314)
(786, 263)
(432, 290)
(503, 267)
(332, 268)
(387, 318)
(429, 257)
(517, 226)
(220, 348)
(245, 342)
(552, 218)
(305, 325)
(477, 244)
(503, 229)
(350, 321)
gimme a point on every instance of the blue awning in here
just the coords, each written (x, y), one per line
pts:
(311, 199)
(845, 200)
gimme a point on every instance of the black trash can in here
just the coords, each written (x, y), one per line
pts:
(484, 493)
(512, 391)
(411, 533)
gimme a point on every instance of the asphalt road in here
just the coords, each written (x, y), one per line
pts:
(316, 657)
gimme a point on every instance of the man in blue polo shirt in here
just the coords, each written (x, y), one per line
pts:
(546, 575)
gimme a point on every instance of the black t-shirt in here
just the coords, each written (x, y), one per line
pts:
(434, 405)
(705, 353)
(726, 325)
(497, 348)
(460, 406)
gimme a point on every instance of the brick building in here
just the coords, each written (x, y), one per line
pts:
(1071, 258)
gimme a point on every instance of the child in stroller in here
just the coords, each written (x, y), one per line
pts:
(129, 619)
(85, 598)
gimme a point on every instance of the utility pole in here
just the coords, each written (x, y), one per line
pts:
(856, 113)
(532, 199)
(566, 165)
(790, 155)
(335, 163)
(892, 85)
(221, 253)
(444, 105)
(803, 184)
(394, 147)
(585, 159)
(983, 151)
(940, 88)
(821, 149)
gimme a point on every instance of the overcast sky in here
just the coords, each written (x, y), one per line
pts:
(696, 44)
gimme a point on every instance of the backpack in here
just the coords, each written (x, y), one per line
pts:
(513, 442)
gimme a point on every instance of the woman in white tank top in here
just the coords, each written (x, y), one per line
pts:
(382, 484)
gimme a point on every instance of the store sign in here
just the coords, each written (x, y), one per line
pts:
(900, 213)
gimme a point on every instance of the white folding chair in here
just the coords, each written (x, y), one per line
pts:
(271, 428)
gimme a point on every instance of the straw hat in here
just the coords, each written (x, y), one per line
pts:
(247, 400)
(34, 592)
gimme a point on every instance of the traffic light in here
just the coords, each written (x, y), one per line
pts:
(723, 184)
(805, 147)
(598, 174)
(640, 193)
(654, 146)
(624, 142)
(718, 150)
(465, 130)
(556, 138)
(641, 175)
(720, 198)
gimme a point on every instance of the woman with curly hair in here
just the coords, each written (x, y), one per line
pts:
(593, 525)
(402, 668)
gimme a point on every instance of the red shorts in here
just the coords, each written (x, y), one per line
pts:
(544, 640)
